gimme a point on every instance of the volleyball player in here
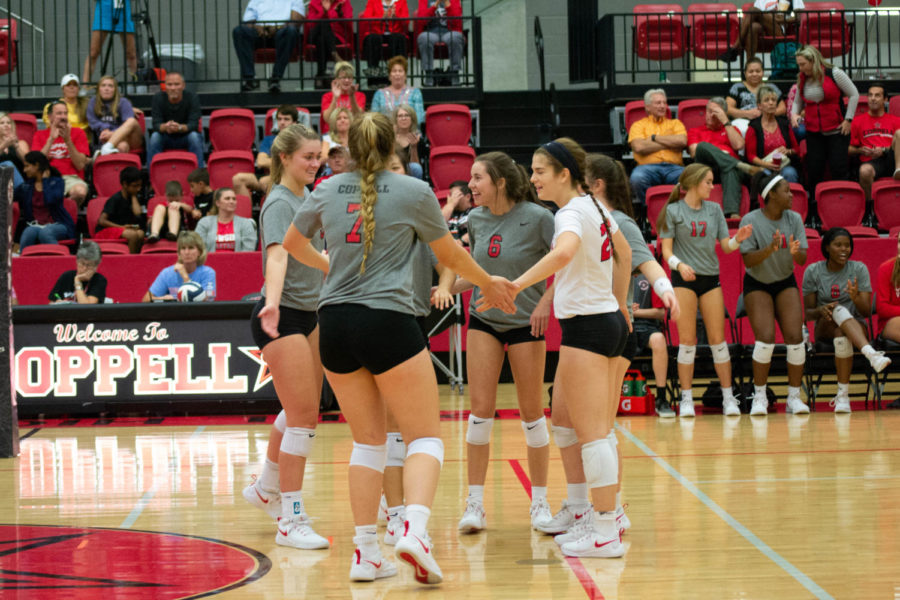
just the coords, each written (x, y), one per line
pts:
(688, 229)
(372, 350)
(778, 242)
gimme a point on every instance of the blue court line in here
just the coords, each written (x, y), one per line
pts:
(796, 479)
(760, 545)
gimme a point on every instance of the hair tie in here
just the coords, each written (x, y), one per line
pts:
(771, 184)
(562, 154)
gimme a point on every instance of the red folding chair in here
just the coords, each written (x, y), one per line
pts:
(712, 34)
(658, 33)
(840, 203)
(448, 125)
(225, 164)
(232, 129)
(45, 250)
(822, 25)
(657, 196)
(26, 125)
(112, 246)
(800, 200)
(106, 171)
(160, 247)
(692, 113)
(894, 106)
(450, 163)
(94, 210)
(173, 165)
(886, 203)
(244, 207)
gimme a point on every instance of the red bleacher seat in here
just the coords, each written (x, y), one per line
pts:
(112, 247)
(718, 197)
(822, 25)
(659, 31)
(637, 110)
(45, 250)
(269, 123)
(225, 164)
(232, 129)
(160, 247)
(800, 200)
(886, 203)
(812, 234)
(861, 231)
(107, 169)
(244, 206)
(894, 106)
(94, 209)
(657, 196)
(448, 125)
(450, 163)
(692, 112)
(171, 165)
(840, 203)
(712, 34)
(26, 125)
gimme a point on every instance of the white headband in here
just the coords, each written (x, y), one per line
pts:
(771, 184)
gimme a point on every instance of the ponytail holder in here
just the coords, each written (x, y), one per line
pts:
(771, 185)
(562, 154)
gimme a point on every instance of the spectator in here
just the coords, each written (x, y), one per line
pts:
(112, 119)
(444, 26)
(76, 104)
(770, 141)
(222, 230)
(111, 16)
(198, 181)
(649, 314)
(121, 216)
(247, 183)
(657, 143)
(407, 136)
(188, 267)
(173, 213)
(875, 139)
(176, 120)
(819, 90)
(84, 285)
(456, 211)
(40, 199)
(716, 144)
(344, 94)
(267, 23)
(387, 99)
(67, 148)
(338, 162)
(327, 36)
(12, 149)
(390, 30)
(887, 302)
(756, 23)
(742, 97)
(339, 131)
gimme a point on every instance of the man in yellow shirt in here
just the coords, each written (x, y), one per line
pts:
(657, 143)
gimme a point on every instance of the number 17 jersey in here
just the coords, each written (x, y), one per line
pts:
(695, 234)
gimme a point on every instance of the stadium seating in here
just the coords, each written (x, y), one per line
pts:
(269, 123)
(712, 34)
(160, 247)
(106, 171)
(232, 129)
(886, 203)
(108, 247)
(46, 250)
(637, 110)
(450, 163)
(840, 203)
(244, 206)
(94, 209)
(657, 196)
(26, 125)
(894, 106)
(225, 164)
(692, 112)
(800, 201)
(659, 31)
(825, 29)
(448, 125)
(171, 165)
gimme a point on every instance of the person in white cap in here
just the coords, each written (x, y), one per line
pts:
(76, 103)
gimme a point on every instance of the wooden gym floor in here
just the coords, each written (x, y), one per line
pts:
(777, 507)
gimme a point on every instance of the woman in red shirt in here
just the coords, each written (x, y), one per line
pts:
(327, 36)
(391, 31)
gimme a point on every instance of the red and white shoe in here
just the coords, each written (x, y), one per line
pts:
(623, 523)
(593, 545)
(370, 568)
(264, 500)
(417, 552)
(395, 527)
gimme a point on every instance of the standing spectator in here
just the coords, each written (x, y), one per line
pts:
(188, 267)
(387, 99)
(390, 30)
(742, 97)
(407, 137)
(444, 26)
(121, 216)
(111, 16)
(75, 103)
(176, 120)
(198, 181)
(67, 148)
(770, 142)
(344, 94)
(224, 231)
(40, 199)
(12, 149)
(456, 211)
(172, 214)
(327, 36)
(247, 183)
(755, 22)
(657, 143)
(875, 138)
(112, 119)
(267, 22)
(84, 285)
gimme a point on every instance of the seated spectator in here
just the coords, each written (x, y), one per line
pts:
(407, 136)
(716, 144)
(344, 94)
(387, 99)
(742, 101)
(887, 302)
(770, 141)
(247, 183)
(173, 214)
(390, 30)
(84, 285)
(76, 104)
(222, 230)
(338, 131)
(875, 139)
(112, 119)
(67, 148)
(188, 267)
(445, 27)
(176, 120)
(121, 216)
(12, 149)
(327, 36)
(649, 314)
(198, 181)
(456, 211)
(338, 162)
(765, 17)
(40, 200)
(267, 23)
(657, 143)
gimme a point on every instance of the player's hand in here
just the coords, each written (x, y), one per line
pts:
(441, 299)
(853, 288)
(743, 233)
(687, 272)
(671, 303)
(776, 241)
(540, 318)
(794, 245)
(268, 320)
(499, 293)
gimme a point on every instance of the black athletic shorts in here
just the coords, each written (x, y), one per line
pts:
(290, 321)
(884, 165)
(354, 336)
(773, 289)
(643, 338)
(604, 333)
(631, 346)
(518, 335)
(422, 322)
(701, 285)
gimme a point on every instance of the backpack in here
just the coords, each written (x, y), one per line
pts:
(784, 63)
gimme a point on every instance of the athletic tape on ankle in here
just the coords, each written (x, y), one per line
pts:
(396, 449)
(371, 457)
(762, 352)
(564, 436)
(280, 421)
(720, 353)
(297, 441)
(686, 354)
(601, 469)
(536, 434)
(842, 347)
(430, 446)
(479, 431)
(796, 354)
(840, 314)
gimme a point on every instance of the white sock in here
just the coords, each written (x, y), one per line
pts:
(687, 396)
(292, 505)
(578, 494)
(843, 389)
(367, 538)
(759, 389)
(107, 148)
(476, 492)
(268, 479)
(538, 492)
(605, 524)
(417, 517)
(868, 351)
(727, 393)
(395, 511)
(618, 500)
(793, 391)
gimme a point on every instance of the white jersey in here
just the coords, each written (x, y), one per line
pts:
(584, 286)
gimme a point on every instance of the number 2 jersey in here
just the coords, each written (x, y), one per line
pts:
(695, 233)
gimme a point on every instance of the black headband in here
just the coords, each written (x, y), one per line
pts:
(562, 154)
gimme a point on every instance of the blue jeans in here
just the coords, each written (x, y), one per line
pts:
(48, 234)
(192, 142)
(415, 169)
(645, 177)
(788, 172)
(17, 177)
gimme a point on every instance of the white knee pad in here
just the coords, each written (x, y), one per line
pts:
(366, 455)
(720, 353)
(297, 441)
(601, 469)
(280, 421)
(536, 434)
(796, 354)
(479, 431)
(762, 352)
(564, 436)
(686, 354)
(396, 449)
(840, 314)
(842, 347)
(431, 446)
(613, 440)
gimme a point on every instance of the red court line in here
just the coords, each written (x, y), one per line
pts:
(587, 582)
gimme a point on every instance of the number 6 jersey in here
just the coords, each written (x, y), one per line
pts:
(695, 234)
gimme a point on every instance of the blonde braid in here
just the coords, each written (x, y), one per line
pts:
(368, 197)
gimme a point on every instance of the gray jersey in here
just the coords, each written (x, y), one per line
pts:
(508, 245)
(831, 286)
(640, 253)
(423, 276)
(406, 209)
(779, 265)
(302, 284)
(695, 233)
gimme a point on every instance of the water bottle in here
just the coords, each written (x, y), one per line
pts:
(210, 291)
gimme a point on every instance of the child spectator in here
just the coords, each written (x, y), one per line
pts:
(174, 213)
(648, 316)
(456, 211)
(198, 180)
(121, 214)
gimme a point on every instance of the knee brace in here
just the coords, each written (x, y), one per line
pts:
(686, 354)
(536, 434)
(796, 354)
(371, 457)
(396, 450)
(840, 314)
(280, 421)
(720, 353)
(431, 446)
(601, 468)
(762, 352)
(842, 347)
(479, 431)
(297, 441)
(613, 440)
(564, 436)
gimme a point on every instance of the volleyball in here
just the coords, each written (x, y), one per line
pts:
(191, 292)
